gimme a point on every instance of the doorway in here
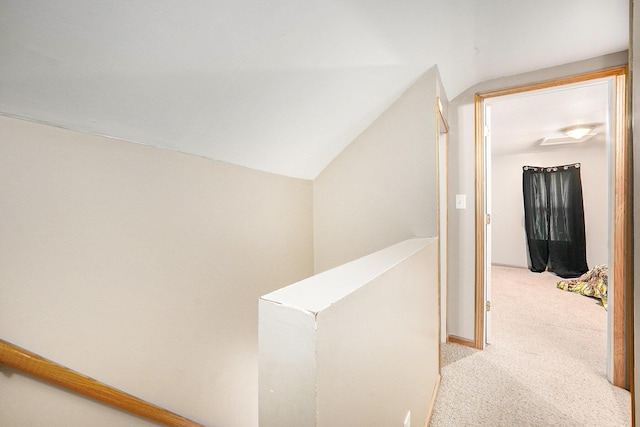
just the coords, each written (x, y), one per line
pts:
(619, 237)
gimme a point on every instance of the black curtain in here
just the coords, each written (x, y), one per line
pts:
(554, 219)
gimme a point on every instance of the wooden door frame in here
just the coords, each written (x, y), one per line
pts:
(622, 292)
(442, 127)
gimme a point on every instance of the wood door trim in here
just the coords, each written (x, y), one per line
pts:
(622, 235)
(622, 238)
(440, 119)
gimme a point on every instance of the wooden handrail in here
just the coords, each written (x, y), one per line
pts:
(39, 367)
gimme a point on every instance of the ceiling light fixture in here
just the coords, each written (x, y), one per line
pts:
(572, 135)
(579, 131)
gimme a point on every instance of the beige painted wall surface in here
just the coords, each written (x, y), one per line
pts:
(462, 181)
(356, 345)
(141, 268)
(382, 188)
(394, 318)
(509, 245)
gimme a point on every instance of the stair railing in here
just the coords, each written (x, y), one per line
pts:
(36, 366)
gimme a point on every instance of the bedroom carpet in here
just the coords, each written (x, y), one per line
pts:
(545, 365)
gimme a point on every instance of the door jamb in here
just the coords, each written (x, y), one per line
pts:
(442, 128)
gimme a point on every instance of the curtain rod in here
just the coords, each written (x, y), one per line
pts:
(551, 168)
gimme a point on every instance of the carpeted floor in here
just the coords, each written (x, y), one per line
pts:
(545, 365)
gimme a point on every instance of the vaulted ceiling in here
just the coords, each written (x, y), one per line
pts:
(282, 85)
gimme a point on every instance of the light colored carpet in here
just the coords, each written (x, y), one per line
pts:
(545, 365)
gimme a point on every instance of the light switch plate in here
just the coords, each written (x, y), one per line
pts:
(461, 201)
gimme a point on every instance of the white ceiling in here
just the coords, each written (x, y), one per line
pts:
(520, 122)
(281, 85)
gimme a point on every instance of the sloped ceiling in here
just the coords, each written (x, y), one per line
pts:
(282, 85)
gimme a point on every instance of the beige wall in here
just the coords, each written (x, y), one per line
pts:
(462, 181)
(508, 244)
(142, 268)
(356, 345)
(382, 188)
(120, 251)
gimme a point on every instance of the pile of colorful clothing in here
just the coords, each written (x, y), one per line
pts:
(593, 283)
